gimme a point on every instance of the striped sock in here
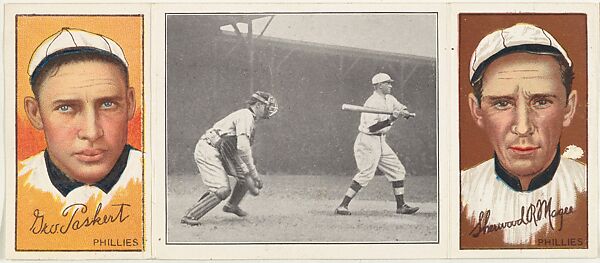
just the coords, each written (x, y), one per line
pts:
(350, 193)
(399, 192)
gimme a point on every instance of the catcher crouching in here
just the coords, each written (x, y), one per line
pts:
(226, 150)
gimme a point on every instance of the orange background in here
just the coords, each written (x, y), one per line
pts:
(570, 31)
(81, 239)
(31, 30)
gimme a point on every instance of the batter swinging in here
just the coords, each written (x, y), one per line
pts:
(371, 151)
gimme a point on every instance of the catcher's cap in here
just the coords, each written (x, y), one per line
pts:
(381, 77)
(518, 38)
(71, 41)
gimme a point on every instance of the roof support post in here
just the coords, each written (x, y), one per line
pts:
(250, 41)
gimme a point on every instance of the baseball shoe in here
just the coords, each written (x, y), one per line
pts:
(190, 221)
(342, 210)
(229, 208)
(407, 210)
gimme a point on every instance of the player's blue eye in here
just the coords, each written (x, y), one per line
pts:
(64, 108)
(107, 104)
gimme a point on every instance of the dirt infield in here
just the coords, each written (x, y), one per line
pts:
(299, 208)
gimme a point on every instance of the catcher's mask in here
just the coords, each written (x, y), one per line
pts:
(271, 102)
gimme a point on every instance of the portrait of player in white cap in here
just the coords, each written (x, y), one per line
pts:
(522, 98)
(82, 102)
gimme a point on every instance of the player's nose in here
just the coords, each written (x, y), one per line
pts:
(90, 128)
(522, 120)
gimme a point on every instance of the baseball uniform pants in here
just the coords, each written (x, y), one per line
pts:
(372, 152)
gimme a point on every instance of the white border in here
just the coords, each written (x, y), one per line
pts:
(291, 251)
(593, 38)
(9, 118)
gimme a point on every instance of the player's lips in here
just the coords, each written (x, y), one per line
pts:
(90, 155)
(523, 149)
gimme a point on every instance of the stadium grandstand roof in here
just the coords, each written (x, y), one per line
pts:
(374, 35)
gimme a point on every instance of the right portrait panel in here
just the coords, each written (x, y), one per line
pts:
(523, 131)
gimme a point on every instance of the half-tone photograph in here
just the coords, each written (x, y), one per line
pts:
(301, 128)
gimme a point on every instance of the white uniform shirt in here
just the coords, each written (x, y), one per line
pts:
(240, 122)
(40, 179)
(482, 189)
(377, 101)
(56, 213)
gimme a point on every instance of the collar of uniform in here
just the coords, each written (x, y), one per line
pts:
(379, 95)
(538, 181)
(253, 114)
(65, 185)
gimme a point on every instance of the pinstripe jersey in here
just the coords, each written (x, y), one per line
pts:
(523, 218)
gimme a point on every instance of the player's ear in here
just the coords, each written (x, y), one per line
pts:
(570, 108)
(32, 109)
(130, 103)
(475, 108)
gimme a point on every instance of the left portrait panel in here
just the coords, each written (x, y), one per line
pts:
(77, 181)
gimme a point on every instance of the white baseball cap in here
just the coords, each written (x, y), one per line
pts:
(520, 37)
(381, 77)
(75, 40)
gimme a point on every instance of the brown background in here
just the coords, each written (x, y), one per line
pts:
(568, 29)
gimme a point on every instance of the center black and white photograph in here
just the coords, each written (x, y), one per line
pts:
(302, 128)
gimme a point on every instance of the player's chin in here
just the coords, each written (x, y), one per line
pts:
(90, 173)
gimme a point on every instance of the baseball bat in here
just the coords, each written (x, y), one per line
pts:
(350, 107)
